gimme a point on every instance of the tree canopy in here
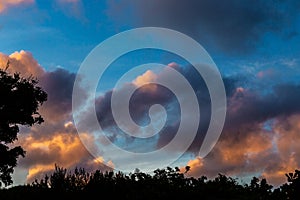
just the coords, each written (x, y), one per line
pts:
(20, 99)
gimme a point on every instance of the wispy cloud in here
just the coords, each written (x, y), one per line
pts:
(71, 8)
(6, 4)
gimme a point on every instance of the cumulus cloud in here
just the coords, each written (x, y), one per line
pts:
(248, 107)
(21, 62)
(249, 142)
(59, 85)
(63, 149)
(139, 105)
(56, 140)
(236, 155)
(232, 26)
(259, 136)
(42, 153)
(260, 132)
(5, 4)
(270, 153)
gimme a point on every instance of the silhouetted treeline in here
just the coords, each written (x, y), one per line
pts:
(167, 183)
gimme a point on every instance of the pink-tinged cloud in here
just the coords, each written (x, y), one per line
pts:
(5, 4)
(269, 73)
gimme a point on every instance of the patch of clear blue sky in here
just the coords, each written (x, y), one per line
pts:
(52, 35)
(133, 59)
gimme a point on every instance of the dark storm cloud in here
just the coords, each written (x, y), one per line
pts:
(260, 133)
(59, 86)
(232, 26)
(139, 106)
(249, 107)
(143, 99)
(55, 141)
(56, 111)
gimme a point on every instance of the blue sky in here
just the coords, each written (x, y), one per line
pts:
(254, 45)
(68, 30)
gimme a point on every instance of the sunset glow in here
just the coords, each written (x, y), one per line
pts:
(254, 45)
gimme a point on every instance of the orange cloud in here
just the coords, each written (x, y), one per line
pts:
(277, 175)
(56, 140)
(234, 156)
(270, 153)
(287, 140)
(5, 4)
(64, 149)
(100, 160)
(22, 62)
(37, 171)
(248, 147)
(195, 164)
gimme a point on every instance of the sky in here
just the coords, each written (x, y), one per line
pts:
(255, 47)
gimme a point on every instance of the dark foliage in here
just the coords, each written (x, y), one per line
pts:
(167, 183)
(19, 102)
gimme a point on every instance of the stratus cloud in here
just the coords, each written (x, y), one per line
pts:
(5, 4)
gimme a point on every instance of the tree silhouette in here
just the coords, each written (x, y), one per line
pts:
(294, 189)
(19, 103)
(168, 183)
